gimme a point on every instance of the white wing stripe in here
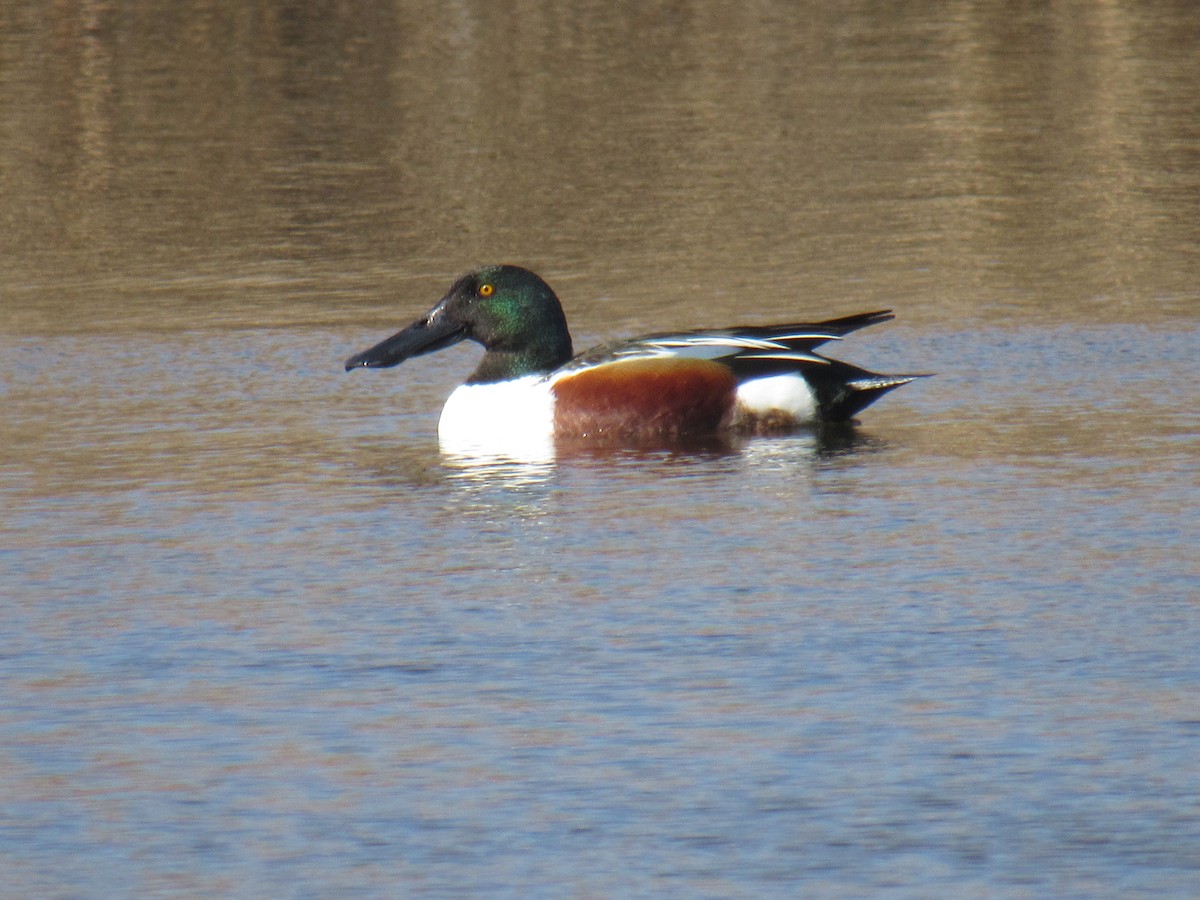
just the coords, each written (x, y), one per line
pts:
(808, 336)
(717, 341)
(797, 357)
(776, 342)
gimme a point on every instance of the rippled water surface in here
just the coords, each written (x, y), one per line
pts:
(263, 639)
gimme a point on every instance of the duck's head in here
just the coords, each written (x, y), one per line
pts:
(510, 310)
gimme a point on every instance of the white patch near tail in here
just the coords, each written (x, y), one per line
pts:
(777, 396)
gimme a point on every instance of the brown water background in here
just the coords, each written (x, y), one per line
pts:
(262, 639)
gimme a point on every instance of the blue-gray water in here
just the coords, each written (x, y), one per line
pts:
(261, 639)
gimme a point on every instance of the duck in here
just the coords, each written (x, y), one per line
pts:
(751, 379)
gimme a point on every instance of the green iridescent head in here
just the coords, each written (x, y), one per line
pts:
(509, 310)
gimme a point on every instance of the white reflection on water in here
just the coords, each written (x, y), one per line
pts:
(506, 451)
(490, 468)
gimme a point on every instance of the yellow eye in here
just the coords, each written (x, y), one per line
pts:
(486, 290)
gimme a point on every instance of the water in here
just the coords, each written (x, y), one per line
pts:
(262, 639)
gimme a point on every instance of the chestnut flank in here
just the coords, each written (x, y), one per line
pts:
(645, 398)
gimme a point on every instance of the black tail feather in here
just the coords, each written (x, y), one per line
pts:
(843, 390)
(847, 324)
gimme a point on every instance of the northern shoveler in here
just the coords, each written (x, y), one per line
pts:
(691, 383)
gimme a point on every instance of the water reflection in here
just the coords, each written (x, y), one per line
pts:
(275, 166)
(516, 446)
(498, 468)
(660, 457)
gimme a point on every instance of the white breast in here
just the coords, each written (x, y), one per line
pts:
(512, 419)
